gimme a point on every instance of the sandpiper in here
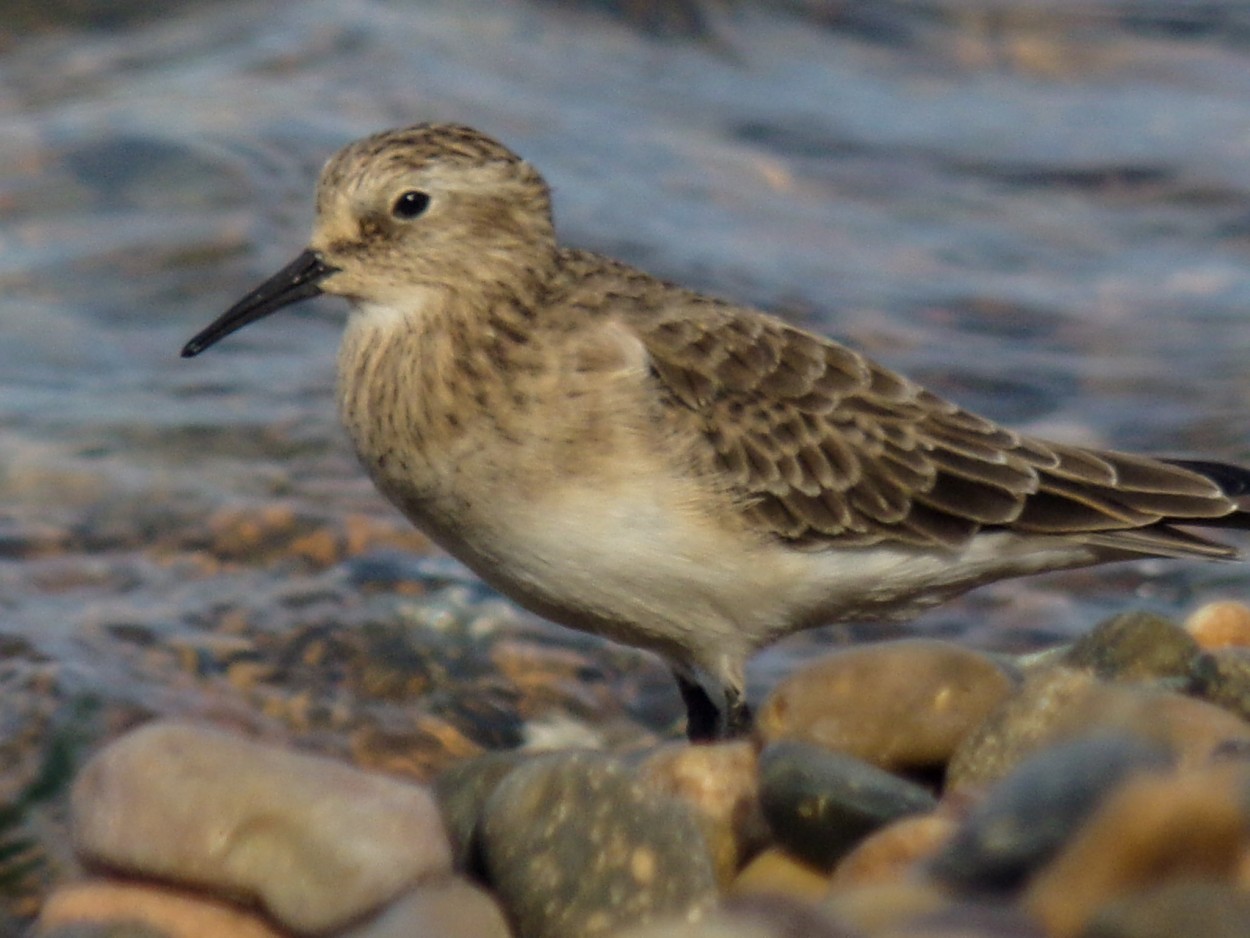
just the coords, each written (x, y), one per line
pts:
(669, 470)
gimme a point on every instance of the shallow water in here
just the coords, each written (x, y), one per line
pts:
(1041, 211)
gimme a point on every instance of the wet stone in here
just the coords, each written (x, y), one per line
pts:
(774, 872)
(819, 804)
(899, 705)
(317, 842)
(1030, 814)
(892, 853)
(1136, 646)
(462, 791)
(575, 845)
(720, 782)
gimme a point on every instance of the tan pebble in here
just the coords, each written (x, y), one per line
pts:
(1153, 828)
(244, 675)
(719, 781)
(1220, 625)
(315, 841)
(175, 913)
(903, 704)
(776, 873)
(891, 853)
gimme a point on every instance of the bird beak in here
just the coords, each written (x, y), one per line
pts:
(297, 281)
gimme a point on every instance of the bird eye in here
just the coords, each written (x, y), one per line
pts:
(411, 204)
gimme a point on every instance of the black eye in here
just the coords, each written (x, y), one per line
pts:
(411, 204)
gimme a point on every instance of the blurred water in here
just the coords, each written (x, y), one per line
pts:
(1040, 210)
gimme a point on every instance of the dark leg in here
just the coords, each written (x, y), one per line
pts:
(703, 717)
(738, 719)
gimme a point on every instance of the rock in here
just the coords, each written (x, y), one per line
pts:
(1135, 646)
(899, 705)
(1223, 679)
(1057, 703)
(777, 873)
(719, 782)
(1028, 816)
(893, 852)
(449, 908)
(1183, 906)
(819, 803)
(116, 908)
(750, 917)
(575, 845)
(316, 842)
(1220, 625)
(462, 791)
(1187, 823)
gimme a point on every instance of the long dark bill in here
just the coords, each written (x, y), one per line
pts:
(297, 281)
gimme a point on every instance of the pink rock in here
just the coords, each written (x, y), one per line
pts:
(316, 842)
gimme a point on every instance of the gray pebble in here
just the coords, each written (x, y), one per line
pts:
(819, 803)
(1031, 813)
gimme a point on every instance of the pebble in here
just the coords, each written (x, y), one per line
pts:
(575, 845)
(1057, 703)
(751, 917)
(317, 842)
(461, 792)
(719, 781)
(113, 906)
(893, 852)
(899, 705)
(1224, 680)
(1028, 816)
(1220, 625)
(1135, 646)
(1186, 823)
(819, 803)
(882, 908)
(774, 872)
(449, 907)
(1181, 906)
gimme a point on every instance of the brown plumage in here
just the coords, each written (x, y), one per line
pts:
(634, 459)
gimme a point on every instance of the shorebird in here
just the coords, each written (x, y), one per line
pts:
(669, 470)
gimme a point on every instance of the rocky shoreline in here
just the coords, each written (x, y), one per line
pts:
(904, 788)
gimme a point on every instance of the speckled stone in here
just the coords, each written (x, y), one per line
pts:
(1179, 907)
(899, 705)
(1152, 828)
(1029, 815)
(575, 845)
(462, 791)
(719, 781)
(751, 917)
(819, 803)
(316, 842)
(1136, 646)
(1057, 703)
(1220, 625)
